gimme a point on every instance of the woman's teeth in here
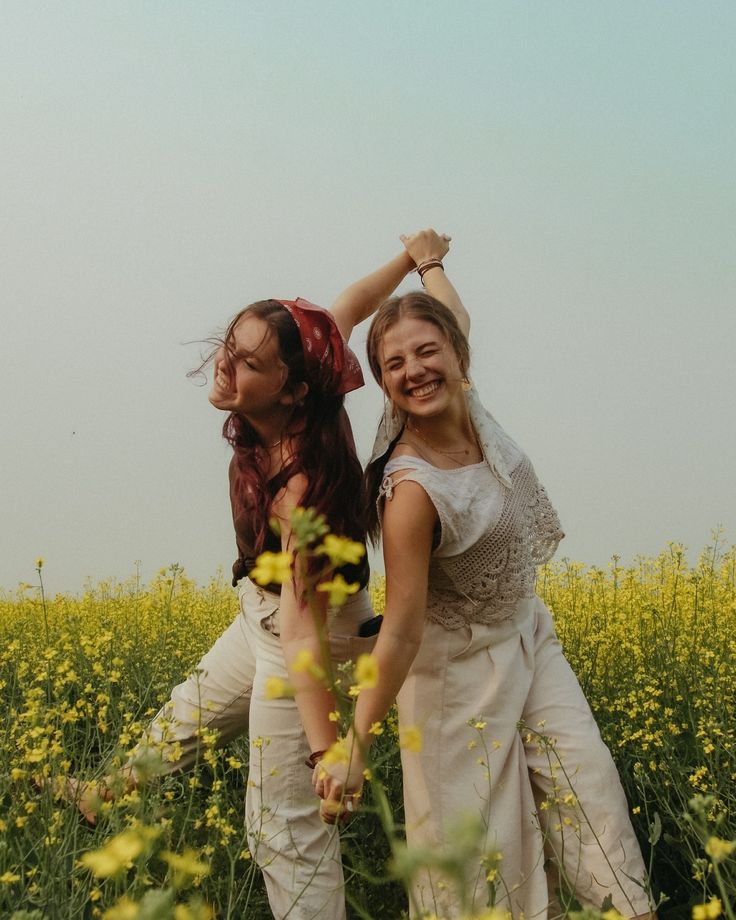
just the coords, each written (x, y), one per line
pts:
(426, 389)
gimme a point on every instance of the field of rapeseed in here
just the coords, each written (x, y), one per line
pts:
(653, 644)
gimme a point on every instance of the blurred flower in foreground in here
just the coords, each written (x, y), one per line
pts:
(341, 550)
(410, 739)
(710, 911)
(339, 590)
(119, 852)
(272, 568)
(337, 753)
(304, 663)
(184, 867)
(366, 674)
(278, 689)
(719, 849)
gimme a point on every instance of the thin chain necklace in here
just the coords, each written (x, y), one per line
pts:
(447, 453)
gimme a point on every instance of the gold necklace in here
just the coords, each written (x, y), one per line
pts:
(447, 453)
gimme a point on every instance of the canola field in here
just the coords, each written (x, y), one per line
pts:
(653, 645)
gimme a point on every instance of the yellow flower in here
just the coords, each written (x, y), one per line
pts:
(709, 911)
(185, 866)
(124, 909)
(410, 739)
(118, 853)
(7, 878)
(39, 562)
(304, 663)
(366, 671)
(307, 527)
(339, 590)
(272, 568)
(337, 753)
(376, 729)
(719, 849)
(341, 550)
(197, 911)
(278, 689)
(612, 914)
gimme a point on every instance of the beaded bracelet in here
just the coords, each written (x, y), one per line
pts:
(424, 267)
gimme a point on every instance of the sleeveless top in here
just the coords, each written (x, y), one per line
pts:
(494, 531)
(245, 536)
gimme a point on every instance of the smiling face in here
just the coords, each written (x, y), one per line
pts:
(249, 375)
(420, 370)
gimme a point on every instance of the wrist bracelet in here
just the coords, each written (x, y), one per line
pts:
(314, 758)
(425, 266)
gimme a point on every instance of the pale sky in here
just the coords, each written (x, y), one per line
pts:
(164, 164)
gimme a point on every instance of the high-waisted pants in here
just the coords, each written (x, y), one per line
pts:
(530, 774)
(298, 854)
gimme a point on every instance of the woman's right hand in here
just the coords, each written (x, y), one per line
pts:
(426, 244)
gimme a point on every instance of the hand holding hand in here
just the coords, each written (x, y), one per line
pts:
(339, 785)
(426, 244)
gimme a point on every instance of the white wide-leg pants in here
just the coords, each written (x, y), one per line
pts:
(533, 799)
(298, 853)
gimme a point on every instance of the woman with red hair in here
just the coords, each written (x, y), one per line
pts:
(280, 372)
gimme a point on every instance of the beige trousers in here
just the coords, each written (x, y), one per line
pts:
(542, 794)
(298, 853)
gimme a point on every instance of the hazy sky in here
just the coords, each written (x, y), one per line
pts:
(163, 164)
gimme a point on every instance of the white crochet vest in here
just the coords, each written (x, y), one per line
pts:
(494, 533)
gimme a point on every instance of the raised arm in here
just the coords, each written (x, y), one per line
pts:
(362, 298)
(423, 247)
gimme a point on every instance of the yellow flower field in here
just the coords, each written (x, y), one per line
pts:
(653, 644)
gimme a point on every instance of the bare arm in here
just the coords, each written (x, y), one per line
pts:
(408, 525)
(422, 247)
(362, 298)
(300, 631)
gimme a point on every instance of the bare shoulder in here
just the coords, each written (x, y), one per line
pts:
(408, 448)
(410, 508)
(290, 495)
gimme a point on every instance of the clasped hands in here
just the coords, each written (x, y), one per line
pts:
(340, 786)
(425, 245)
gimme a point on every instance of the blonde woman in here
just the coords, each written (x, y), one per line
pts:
(509, 743)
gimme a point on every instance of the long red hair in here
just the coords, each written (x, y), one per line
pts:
(319, 429)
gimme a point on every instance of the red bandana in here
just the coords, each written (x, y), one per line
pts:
(328, 359)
